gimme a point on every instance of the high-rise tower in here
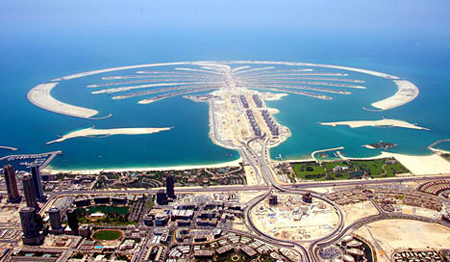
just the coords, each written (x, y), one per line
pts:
(32, 226)
(72, 220)
(28, 191)
(169, 186)
(37, 183)
(161, 197)
(11, 184)
(55, 220)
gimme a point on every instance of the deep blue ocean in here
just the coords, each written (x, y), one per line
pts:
(39, 56)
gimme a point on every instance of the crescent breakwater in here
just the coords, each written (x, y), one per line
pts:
(406, 92)
(40, 96)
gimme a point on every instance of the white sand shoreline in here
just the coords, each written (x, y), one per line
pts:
(87, 132)
(375, 123)
(234, 163)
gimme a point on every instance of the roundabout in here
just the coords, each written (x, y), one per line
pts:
(291, 218)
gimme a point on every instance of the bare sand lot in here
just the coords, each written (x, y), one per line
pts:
(294, 219)
(403, 234)
(353, 212)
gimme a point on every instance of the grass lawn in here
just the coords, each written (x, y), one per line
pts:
(394, 169)
(354, 169)
(107, 235)
(309, 170)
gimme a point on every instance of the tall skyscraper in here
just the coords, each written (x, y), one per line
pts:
(72, 220)
(11, 184)
(37, 183)
(55, 218)
(169, 186)
(32, 226)
(161, 197)
(28, 191)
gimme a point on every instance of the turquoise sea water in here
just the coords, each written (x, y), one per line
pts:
(28, 60)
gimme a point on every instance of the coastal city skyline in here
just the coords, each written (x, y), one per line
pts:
(224, 131)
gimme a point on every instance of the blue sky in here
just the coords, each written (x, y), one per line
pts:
(89, 31)
(391, 16)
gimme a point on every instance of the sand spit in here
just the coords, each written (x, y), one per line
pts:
(273, 96)
(178, 93)
(295, 91)
(120, 68)
(326, 90)
(263, 78)
(406, 92)
(234, 163)
(198, 70)
(160, 90)
(90, 132)
(40, 96)
(239, 68)
(316, 84)
(127, 88)
(9, 148)
(375, 123)
(255, 70)
(284, 71)
(152, 80)
(436, 150)
(297, 74)
(360, 70)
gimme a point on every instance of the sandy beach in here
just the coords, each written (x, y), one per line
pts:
(375, 123)
(87, 132)
(234, 163)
